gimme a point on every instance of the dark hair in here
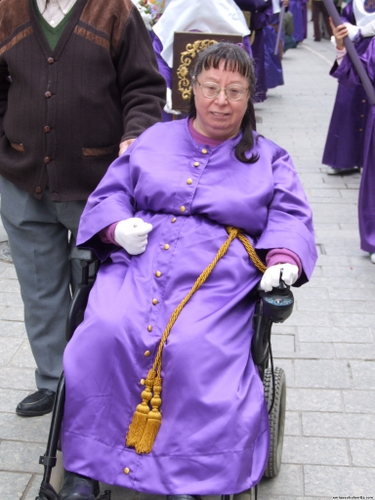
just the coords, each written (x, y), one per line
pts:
(235, 59)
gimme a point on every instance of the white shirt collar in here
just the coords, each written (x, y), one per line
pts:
(55, 10)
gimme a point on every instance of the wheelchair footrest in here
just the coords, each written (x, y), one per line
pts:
(106, 495)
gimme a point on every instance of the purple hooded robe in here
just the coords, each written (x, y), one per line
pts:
(345, 139)
(346, 74)
(214, 437)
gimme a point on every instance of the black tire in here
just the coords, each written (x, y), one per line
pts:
(276, 417)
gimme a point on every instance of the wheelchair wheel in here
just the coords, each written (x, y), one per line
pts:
(276, 417)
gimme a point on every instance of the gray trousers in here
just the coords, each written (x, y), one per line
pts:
(41, 234)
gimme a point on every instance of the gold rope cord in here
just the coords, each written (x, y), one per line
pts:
(146, 422)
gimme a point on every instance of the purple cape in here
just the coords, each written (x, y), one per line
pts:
(213, 405)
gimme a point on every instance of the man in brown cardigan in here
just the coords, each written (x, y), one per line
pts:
(78, 83)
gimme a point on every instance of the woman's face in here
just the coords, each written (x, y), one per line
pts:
(219, 118)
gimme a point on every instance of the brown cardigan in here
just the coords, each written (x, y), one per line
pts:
(65, 111)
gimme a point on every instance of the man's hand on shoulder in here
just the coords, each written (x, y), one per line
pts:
(124, 146)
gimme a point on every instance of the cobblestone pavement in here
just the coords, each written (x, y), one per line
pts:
(326, 347)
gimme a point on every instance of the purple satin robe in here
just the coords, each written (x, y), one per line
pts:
(274, 71)
(346, 74)
(214, 437)
(298, 10)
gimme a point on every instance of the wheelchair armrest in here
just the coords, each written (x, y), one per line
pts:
(90, 265)
(82, 254)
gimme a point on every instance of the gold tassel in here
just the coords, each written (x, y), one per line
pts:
(139, 420)
(153, 421)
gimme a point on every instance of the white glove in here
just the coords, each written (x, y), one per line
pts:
(368, 29)
(131, 234)
(271, 278)
(353, 30)
(168, 105)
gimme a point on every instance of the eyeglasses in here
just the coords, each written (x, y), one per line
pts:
(211, 90)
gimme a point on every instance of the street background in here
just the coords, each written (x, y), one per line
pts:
(326, 347)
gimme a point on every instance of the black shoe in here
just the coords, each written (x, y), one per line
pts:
(77, 487)
(39, 403)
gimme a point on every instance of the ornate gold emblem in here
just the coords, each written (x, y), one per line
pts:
(186, 58)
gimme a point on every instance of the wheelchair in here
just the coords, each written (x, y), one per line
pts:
(271, 307)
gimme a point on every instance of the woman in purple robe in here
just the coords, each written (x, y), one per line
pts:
(344, 71)
(156, 221)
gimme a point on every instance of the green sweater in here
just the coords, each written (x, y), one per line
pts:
(52, 34)
(66, 109)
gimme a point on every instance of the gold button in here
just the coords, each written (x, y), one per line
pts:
(363, 100)
(166, 246)
(362, 116)
(50, 60)
(149, 328)
(360, 130)
(142, 381)
(204, 151)
(146, 353)
(182, 209)
(158, 274)
(155, 301)
(196, 164)
(189, 181)
(38, 189)
(174, 219)
(126, 470)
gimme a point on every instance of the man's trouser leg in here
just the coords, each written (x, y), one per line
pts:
(38, 233)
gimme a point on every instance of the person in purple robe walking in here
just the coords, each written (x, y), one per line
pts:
(344, 71)
(184, 194)
(343, 150)
(298, 11)
(263, 20)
